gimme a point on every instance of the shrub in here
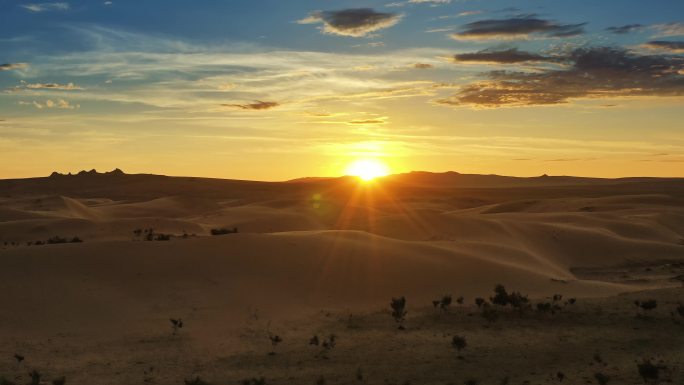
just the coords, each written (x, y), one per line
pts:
(500, 297)
(224, 231)
(56, 239)
(649, 371)
(503, 298)
(548, 307)
(76, 240)
(680, 309)
(163, 237)
(196, 381)
(647, 305)
(176, 324)
(459, 343)
(479, 302)
(330, 343)
(59, 381)
(399, 311)
(460, 300)
(254, 381)
(35, 377)
(275, 340)
(314, 341)
(444, 303)
(601, 378)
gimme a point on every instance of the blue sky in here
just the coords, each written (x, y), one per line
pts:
(282, 89)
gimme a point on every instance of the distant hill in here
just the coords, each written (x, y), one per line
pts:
(119, 185)
(455, 179)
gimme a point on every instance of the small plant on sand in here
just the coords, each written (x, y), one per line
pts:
(56, 240)
(459, 343)
(224, 231)
(162, 237)
(398, 306)
(503, 298)
(196, 381)
(275, 340)
(328, 345)
(76, 240)
(680, 310)
(479, 302)
(548, 307)
(359, 374)
(176, 324)
(651, 372)
(59, 381)
(601, 378)
(320, 381)
(254, 381)
(647, 305)
(35, 377)
(19, 358)
(330, 342)
(442, 303)
(471, 381)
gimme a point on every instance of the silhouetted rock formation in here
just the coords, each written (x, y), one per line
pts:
(115, 172)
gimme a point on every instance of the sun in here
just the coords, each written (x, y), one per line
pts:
(367, 169)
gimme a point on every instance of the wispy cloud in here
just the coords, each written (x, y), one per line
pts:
(257, 106)
(44, 7)
(516, 28)
(54, 86)
(508, 56)
(664, 45)
(13, 66)
(625, 29)
(357, 22)
(57, 104)
(669, 29)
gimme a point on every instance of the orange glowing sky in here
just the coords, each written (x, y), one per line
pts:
(279, 90)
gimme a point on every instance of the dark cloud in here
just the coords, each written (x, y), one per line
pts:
(258, 105)
(368, 121)
(516, 27)
(12, 66)
(423, 66)
(599, 72)
(508, 56)
(674, 46)
(357, 22)
(625, 29)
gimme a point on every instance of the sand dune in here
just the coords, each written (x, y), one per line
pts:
(305, 246)
(346, 244)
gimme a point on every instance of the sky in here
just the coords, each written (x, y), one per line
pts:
(275, 89)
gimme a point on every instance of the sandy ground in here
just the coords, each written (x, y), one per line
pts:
(321, 257)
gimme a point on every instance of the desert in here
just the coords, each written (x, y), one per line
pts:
(325, 257)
